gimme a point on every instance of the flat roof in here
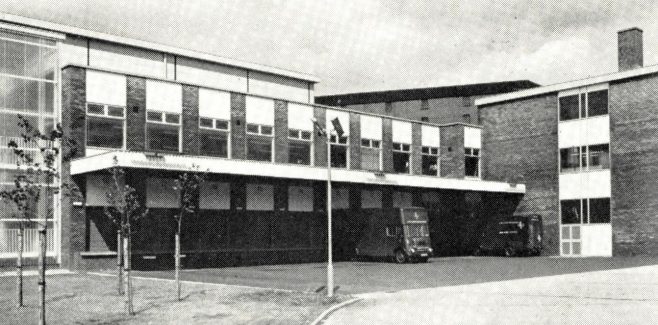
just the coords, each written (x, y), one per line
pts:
(55, 27)
(400, 95)
(652, 69)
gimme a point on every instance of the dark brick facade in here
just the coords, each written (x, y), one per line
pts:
(452, 151)
(190, 120)
(519, 142)
(320, 142)
(238, 126)
(136, 114)
(281, 132)
(355, 141)
(633, 107)
(416, 147)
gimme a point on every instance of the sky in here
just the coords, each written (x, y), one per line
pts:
(370, 45)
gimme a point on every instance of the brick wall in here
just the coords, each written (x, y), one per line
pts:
(191, 120)
(281, 131)
(416, 147)
(73, 218)
(238, 126)
(387, 145)
(634, 167)
(441, 110)
(320, 143)
(136, 114)
(355, 141)
(452, 151)
(519, 140)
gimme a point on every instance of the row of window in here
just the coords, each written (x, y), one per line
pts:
(106, 129)
(583, 105)
(585, 158)
(585, 211)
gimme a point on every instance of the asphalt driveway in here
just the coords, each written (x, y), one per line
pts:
(368, 277)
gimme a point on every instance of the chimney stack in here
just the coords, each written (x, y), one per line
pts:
(629, 42)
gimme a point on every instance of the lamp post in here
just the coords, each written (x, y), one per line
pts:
(330, 264)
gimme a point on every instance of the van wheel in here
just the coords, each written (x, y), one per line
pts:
(400, 257)
(423, 259)
(509, 251)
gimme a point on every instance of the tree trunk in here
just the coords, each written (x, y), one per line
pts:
(129, 292)
(177, 265)
(19, 265)
(42, 275)
(120, 261)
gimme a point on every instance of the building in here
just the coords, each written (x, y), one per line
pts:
(449, 104)
(587, 151)
(158, 110)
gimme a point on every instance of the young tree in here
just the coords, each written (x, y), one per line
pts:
(124, 210)
(37, 156)
(187, 184)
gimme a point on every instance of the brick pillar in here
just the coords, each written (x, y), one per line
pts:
(238, 126)
(387, 196)
(416, 147)
(452, 151)
(281, 131)
(355, 141)
(136, 114)
(191, 120)
(320, 143)
(280, 196)
(387, 145)
(355, 198)
(73, 217)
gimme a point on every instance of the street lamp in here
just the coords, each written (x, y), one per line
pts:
(338, 129)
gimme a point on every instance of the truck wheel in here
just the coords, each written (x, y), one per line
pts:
(423, 259)
(509, 251)
(400, 256)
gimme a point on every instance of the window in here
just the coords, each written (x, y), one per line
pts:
(371, 154)
(299, 147)
(472, 162)
(259, 142)
(214, 137)
(105, 126)
(339, 147)
(393, 231)
(401, 155)
(584, 211)
(585, 158)
(583, 105)
(163, 131)
(430, 160)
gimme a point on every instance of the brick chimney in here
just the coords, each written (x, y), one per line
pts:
(629, 43)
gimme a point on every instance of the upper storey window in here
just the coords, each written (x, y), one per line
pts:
(106, 101)
(339, 147)
(371, 142)
(260, 129)
(300, 134)
(164, 105)
(214, 126)
(401, 147)
(583, 103)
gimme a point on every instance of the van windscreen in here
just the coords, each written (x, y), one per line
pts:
(417, 230)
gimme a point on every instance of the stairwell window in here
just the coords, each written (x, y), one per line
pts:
(585, 211)
(471, 162)
(584, 158)
(583, 104)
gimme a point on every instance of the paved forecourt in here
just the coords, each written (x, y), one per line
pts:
(620, 296)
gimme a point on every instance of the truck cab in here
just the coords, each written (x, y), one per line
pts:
(398, 233)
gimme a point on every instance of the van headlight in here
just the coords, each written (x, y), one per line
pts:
(412, 250)
(429, 249)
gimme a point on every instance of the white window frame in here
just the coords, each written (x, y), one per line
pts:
(583, 94)
(583, 152)
(376, 146)
(309, 140)
(335, 140)
(106, 109)
(261, 134)
(404, 148)
(215, 129)
(432, 152)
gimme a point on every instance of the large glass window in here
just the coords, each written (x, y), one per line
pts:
(583, 105)
(213, 137)
(105, 126)
(584, 211)
(163, 131)
(585, 158)
(299, 146)
(401, 157)
(472, 162)
(259, 142)
(371, 154)
(430, 160)
(339, 149)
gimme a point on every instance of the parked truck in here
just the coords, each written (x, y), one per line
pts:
(513, 236)
(398, 233)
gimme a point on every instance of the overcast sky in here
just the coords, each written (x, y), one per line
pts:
(364, 45)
